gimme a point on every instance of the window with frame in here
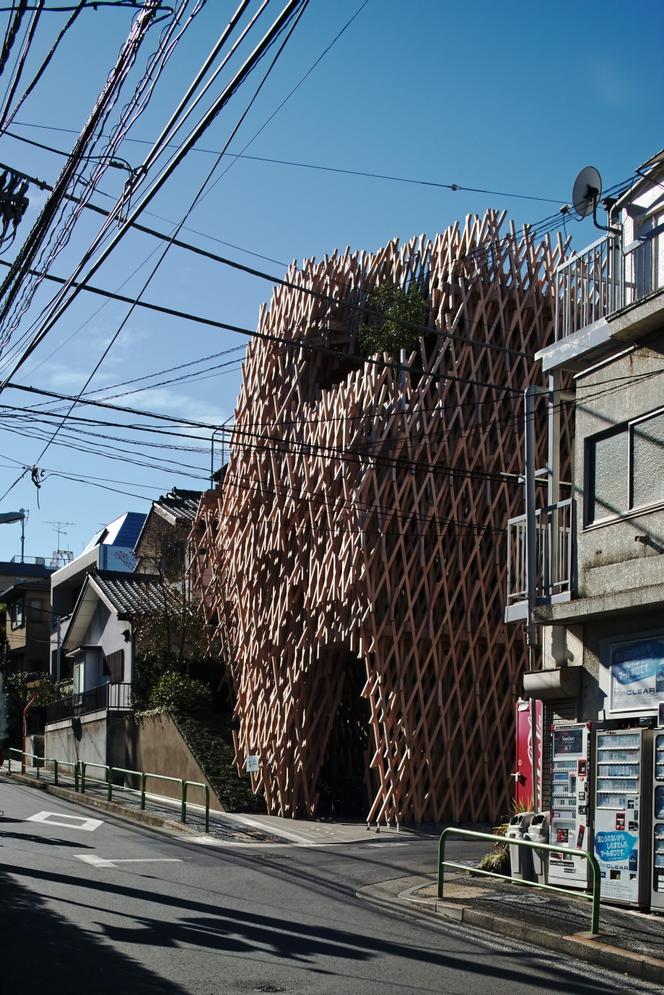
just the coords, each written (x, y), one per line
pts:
(625, 469)
(17, 613)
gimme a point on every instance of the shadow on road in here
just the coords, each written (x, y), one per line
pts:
(43, 952)
(229, 930)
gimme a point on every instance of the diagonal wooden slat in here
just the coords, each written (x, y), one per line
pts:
(304, 559)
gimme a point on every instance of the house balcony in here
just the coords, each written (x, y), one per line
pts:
(106, 697)
(554, 560)
(608, 294)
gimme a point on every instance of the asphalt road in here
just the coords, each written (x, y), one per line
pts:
(102, 907)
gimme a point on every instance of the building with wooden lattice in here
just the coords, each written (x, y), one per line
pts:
(352, 559)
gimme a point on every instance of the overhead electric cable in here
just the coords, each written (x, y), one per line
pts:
(64, 299)
(159, 261)
(346, 171)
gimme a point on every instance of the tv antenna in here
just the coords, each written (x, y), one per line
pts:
(586, 194)
(61, 555)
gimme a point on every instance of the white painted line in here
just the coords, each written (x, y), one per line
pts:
(73, 821)
(102, 862)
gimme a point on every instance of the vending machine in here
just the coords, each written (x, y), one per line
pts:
(570, 823)
(622, 823)
(657, 896)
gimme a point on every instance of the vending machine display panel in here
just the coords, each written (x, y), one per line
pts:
(570, 805)
(621, 839)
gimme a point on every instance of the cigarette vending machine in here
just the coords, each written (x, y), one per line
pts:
(657, 896)
(570, 804)
(622, 803)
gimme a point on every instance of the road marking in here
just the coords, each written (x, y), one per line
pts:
(73, 821)
(102, 862)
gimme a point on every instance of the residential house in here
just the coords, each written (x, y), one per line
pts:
(27, 625)
(24, 590)
(162, 547)
(98, 650)
(586, 561)
(112, 548)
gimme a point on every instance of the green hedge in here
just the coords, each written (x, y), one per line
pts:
(208, 735)
(175, 692)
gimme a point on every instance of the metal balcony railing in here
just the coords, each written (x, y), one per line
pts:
(112, 697)
(553, 564)
(603, 279)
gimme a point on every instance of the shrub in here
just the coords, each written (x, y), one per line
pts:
(178, 693)
(395, 319)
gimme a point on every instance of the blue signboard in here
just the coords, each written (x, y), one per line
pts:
(637, 675)
(614, 847)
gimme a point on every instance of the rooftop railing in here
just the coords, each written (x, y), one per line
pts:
(603, 279)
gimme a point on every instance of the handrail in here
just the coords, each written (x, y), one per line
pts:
(550, 848)
(80, 768)
(206, 793)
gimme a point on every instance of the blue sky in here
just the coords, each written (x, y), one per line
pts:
(512, 97)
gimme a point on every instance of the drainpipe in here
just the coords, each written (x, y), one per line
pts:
(531, 563)
(531, 523)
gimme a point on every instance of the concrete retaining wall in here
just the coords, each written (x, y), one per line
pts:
(150, 743)
(154, 743)
(86, 741)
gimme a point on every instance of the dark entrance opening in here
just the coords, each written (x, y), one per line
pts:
(344, 781)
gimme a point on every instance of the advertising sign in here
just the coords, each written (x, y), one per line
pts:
(567, 741)
(637, 675)
(618, 857)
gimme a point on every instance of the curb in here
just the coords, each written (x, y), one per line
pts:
(391, 895)
(112, 808)
(585, 946)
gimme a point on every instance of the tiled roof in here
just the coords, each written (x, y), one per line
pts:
(180, 504)
(135, 594)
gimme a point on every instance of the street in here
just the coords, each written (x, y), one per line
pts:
(95, 905)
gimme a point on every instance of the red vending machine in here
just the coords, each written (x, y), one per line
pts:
(527, 773)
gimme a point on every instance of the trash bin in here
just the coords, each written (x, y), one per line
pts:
(538, 832)
(521, 860)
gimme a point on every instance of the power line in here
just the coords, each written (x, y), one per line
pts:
(368, 174)
(289, 32)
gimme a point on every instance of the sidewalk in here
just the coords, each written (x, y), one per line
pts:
(630, 942)
(226, 827)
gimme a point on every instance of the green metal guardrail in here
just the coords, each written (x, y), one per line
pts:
(80, 769)
(547, 847)
(42, 764)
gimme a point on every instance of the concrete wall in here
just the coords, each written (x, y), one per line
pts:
(609, 558)
(154, 743)
(62, 743)
(150, 743)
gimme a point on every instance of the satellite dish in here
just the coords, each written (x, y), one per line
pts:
(587, 191)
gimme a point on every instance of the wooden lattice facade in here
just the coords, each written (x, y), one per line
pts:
(352, 561)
